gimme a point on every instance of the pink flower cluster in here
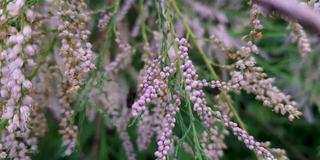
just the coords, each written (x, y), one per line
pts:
(154, 90)
(145, 129)
(77, 60)
(13, 81)
(193, 85)
(122, 122)
(75, 49)
(114, 104)
(14, 7)
(152, 86)
(68, 131)
(104, 21)
(17, 55)
(253, 80)
(301, 38)
(56, 78)
(246, 75)
(242, 135)
(165, 144)
(212, 143)
(194, 89)
(122, 59)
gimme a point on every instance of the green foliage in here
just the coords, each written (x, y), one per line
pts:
(31, 3)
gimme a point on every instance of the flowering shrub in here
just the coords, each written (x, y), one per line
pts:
(152, 80)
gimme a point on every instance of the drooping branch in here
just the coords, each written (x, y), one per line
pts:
(303, 14)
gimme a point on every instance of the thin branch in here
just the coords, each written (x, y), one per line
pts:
(303, 14)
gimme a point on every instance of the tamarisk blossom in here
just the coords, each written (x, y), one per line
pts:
(152, 86)
(193, 86)
(13, 81)
(165, 142)
(212, 143)
(116, 107)
(104, 21)
(246, 75)
(65, 114)
(148, 126)
(69, 132)
(298, 32)
(77, 59)
(75, 48)
(252, 79)
(155, 45)
(258, 84)
(14, 7)
(122, 59)
(150, 123)
(255, 22)
(194, 89)
(121, 124)
(301, 37)
(3, 154)
(18, 145)
(144, 130)
(21, 144)
(196, 94)
(114, 104)
(17, 54)
(277, 152)
(154, 90)
(242, 135)
(41, 93)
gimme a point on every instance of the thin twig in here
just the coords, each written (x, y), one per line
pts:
(304, 15)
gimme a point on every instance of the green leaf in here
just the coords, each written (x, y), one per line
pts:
(3, 124)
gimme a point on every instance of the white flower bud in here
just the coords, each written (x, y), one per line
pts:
(27, 84)
(8, 113)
